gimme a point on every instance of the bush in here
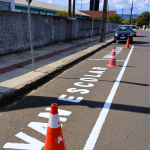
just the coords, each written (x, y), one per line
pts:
(62, 14)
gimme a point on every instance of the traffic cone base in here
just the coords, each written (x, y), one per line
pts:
(112, 65)
(54, 137)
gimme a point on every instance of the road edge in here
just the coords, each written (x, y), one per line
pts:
(24, 88)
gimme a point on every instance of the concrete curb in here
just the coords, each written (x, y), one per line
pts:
(38, 81)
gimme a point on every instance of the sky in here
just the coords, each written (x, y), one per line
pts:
(139, 6)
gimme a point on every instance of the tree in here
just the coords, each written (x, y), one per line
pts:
(97, 18)
(127, 21)
(114, 18)
(143, 19)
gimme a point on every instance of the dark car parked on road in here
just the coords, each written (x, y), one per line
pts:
(123, 32)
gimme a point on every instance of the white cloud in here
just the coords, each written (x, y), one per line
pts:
(142, 5)
(50, 1)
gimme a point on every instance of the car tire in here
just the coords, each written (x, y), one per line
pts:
(114, 41)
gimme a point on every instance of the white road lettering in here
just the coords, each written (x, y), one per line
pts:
(99, 75)
(34, 144)
(74, 90)
(70, 98)
(89, 79)
(98, 72)
(80, 84)
(99, 68)
(38, 126)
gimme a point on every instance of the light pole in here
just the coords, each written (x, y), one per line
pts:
(122, 15)
(92, 22)
(81, 8)
(31, 43)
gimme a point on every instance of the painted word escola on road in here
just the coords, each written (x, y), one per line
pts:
(96, 73)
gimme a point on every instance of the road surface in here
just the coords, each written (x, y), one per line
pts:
(100, 108)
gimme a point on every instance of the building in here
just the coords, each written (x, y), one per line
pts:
(7, 5)
(37, 7)
(98, 13)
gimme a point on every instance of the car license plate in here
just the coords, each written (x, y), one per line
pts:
(122, 37)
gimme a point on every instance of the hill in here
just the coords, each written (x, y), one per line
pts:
(126, 16)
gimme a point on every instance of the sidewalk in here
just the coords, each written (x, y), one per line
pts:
(16, 75)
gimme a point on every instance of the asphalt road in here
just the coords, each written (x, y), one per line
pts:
(109, 111)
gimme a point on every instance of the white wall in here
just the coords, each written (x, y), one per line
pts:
(12, 4)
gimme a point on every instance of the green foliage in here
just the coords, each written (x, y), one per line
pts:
(114, 18)
(143, 19)
(127, 21)
(97, 18)
(62, 14)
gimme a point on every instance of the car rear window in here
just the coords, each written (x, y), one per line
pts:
(124, 28)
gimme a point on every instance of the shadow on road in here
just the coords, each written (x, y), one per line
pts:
(140, 36)
(126, 66)
(140, 84)
(40, 101)
(140, 42)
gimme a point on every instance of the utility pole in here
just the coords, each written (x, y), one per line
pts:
(103, 23)
(69, 8)
(131, 11)
(122, 15)
(92, 22)
(74, 8)
(31, 43)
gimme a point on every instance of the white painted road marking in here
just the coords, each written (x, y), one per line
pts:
(34, 144)
(90, 144)
(104, 59)
(40, 127)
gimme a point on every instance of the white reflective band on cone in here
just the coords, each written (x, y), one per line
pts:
(54, 121)
(113, 56)
(113, 50)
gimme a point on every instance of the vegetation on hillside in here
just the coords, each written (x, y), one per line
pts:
(127, 21)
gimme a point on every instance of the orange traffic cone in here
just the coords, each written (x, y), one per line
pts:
(128, 44)
(54, 138)
(112, 62)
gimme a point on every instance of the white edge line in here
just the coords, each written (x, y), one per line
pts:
(91, 141)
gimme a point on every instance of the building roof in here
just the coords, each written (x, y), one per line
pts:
(98, 13)
(47, 6)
